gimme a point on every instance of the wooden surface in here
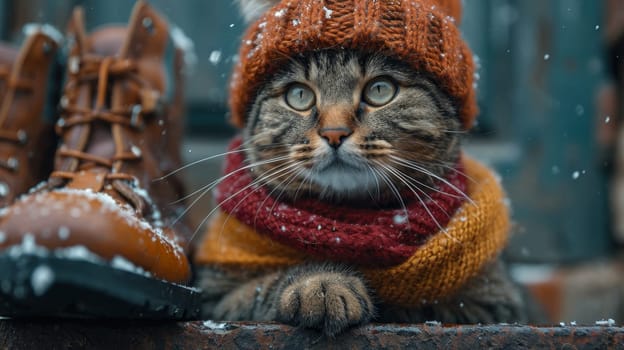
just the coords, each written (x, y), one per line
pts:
(215, 335)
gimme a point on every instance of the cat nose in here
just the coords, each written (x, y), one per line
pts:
(335, 136)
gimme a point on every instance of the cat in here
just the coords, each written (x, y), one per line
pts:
(353, 129)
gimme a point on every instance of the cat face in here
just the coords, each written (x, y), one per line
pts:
(341, 125)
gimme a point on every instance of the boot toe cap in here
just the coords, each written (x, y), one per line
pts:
(67, 218)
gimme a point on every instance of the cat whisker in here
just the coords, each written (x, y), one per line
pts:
(453, 169)
(370, 168)
(203, 193)
(448, 166)
(424, 171)
(420, 184)
(414, 184)
(292, 176)
(305, 178)
(399, 176)
(238, 150)
(214, 183)
(393, 189)
(254, 183)
(260, 181)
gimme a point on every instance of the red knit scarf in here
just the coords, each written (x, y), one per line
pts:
(364, 236)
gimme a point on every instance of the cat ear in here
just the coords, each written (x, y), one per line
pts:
(253, 9)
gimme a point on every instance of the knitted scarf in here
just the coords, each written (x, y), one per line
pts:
(442, 264)
(366, 236)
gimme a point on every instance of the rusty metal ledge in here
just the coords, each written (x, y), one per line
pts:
(211, 335)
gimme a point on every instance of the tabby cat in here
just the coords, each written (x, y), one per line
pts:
(353, 128)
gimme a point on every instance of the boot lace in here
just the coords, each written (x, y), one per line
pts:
(102, 70)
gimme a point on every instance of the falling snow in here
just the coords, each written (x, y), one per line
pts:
(576, 174)
(546, 57)
(215, 57)
(328, 12)
(399, 219)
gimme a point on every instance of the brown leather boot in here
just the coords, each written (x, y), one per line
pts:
(26, 121)
(104, 209)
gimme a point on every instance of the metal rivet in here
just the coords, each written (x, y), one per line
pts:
(13, 163)
(134, 119)
(64, 101)
(74, 64)
(148, 24)
(22, 136)
(135, 150)
(47, 48)
(4, 189)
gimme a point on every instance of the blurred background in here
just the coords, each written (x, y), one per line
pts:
(550, 93)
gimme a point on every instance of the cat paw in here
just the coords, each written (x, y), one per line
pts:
(330, 302)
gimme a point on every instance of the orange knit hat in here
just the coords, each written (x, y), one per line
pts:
(422, 33)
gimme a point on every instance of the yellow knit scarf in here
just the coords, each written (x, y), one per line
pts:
(475, 236)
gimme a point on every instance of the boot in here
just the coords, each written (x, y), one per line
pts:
(103, 227)
(26, 120)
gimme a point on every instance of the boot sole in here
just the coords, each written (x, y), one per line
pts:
(47, 286)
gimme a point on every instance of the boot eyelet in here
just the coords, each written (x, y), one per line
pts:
(136, 151)
(13, 163)
(64, 102)
(74, 64)
(22, 136)
(47, 48)
(134, 118)
(148, 24)
(4, 189)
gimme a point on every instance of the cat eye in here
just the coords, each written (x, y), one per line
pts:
(300, 97)
(379, 91)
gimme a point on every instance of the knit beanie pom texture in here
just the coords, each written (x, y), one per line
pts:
(422, 33)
